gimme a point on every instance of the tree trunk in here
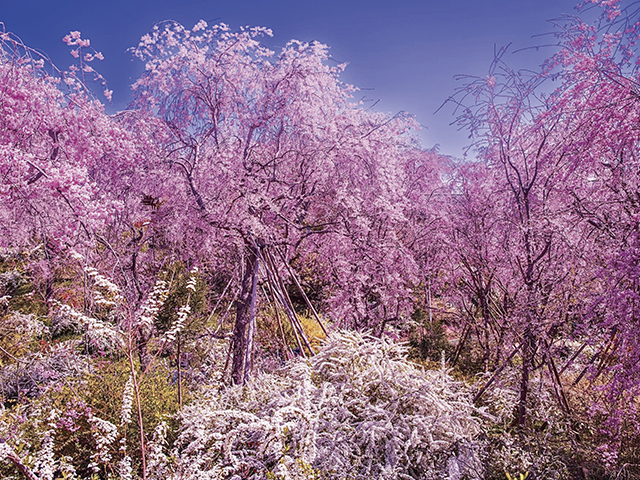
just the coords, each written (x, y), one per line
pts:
(527, 365)
(245, 315)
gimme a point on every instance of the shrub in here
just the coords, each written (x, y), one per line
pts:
(359, 409)
(554, 443)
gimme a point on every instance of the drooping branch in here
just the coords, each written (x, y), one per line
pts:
(7, 452)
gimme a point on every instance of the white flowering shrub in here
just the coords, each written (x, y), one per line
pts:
(98, 334)
(24, 324)
(105, 434)
(206, 365)
(45, 461)
(10, 281)
(359, 410)
(154, 302)
(37, 371)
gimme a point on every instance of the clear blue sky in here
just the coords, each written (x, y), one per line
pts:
(403, 53)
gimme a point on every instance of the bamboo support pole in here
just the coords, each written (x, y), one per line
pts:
(304, 295)
(286, 302)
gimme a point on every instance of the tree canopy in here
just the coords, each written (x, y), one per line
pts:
(250, 181)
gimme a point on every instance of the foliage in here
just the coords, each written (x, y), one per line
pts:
(427, 339)
(241, 177)
(82, 410)
(357, 409)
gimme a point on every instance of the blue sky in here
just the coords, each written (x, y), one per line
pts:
(403, 53)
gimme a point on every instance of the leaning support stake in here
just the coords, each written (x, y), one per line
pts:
(603, 351)
(496, 373)
(463, 339)
(218, 302)
(291, 310)
(555, 378)
(304, 295)
(573, 357)
(273, 286)
(557, 384)
(227, 361)
(272, 298)
(286, 303)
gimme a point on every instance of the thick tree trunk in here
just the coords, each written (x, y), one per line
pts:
(245, 316)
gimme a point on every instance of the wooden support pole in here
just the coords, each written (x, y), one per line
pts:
(295, 323)
(496, 373)
(304, 295)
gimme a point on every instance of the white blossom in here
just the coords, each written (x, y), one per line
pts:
(178, 325)
(154, 303)
(104, 434)
(127, 402)
(100, 332)
(359, 409)
(125, 471)
(157, 460)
